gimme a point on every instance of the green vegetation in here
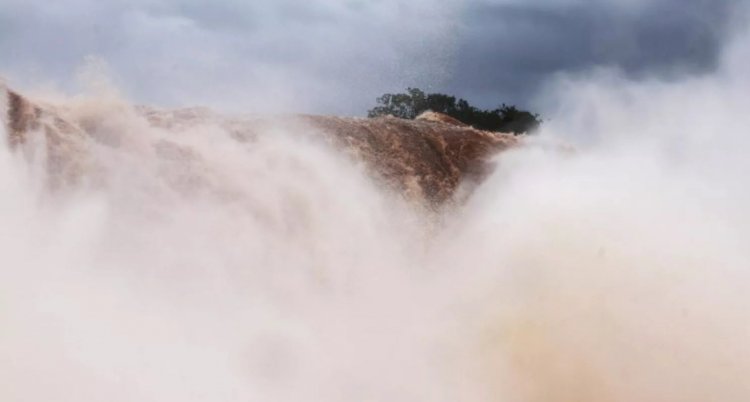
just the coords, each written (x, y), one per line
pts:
(507, 119)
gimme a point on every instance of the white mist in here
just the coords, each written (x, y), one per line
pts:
(279, 272)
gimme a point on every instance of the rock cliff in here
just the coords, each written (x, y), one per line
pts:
(426, 159)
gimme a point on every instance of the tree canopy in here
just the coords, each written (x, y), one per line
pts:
(414, 101)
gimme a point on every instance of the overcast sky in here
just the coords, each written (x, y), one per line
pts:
(327, 56)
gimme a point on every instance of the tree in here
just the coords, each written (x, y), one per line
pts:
(406, 106)
(411, 104)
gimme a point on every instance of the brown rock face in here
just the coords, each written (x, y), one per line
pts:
(423, 159)
(64, 143)
(426, 159)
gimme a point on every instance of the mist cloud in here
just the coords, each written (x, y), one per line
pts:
(617, 272)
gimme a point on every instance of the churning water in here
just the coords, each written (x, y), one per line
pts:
(618, 272)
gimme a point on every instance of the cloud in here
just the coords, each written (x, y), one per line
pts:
(336, 56)
(510, 48)
(319, 55)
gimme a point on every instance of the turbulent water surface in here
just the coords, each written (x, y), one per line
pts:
(154, 257)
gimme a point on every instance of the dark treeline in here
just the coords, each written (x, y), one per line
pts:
(507, 119)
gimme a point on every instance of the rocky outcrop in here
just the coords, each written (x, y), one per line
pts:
(61, 143)
(423, 159)
(426, 159)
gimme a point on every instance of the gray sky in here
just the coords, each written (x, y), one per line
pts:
(329, 56)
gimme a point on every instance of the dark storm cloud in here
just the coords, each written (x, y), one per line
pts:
(336, 56)
(508, 50)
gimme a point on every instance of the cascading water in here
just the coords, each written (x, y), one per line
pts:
(190, 266)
